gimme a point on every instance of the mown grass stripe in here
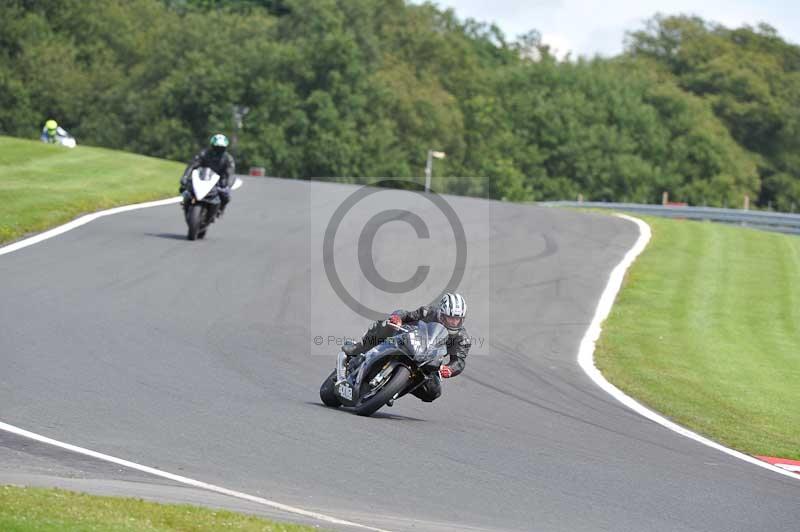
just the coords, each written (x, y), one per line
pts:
(705, 331)
(44, 185)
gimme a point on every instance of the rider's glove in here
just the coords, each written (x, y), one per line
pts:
(445, 372)
(394, 319)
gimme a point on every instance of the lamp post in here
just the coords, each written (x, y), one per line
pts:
(429, 167)
(239, 112)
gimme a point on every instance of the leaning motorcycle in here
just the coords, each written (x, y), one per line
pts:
(392, 369)
(201, 201)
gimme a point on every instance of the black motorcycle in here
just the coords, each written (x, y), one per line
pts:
(394, 368)
(201, 201)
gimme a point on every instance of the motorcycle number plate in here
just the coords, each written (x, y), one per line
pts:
(346, 391)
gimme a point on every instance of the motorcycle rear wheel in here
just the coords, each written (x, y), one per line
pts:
(397, 382)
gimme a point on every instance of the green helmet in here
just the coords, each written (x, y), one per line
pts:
(51, 125)
(219, 141)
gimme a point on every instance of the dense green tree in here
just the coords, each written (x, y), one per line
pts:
(751, 79)
(353, 89)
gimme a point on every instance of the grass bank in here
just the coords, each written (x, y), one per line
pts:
(706, 331)
(45, 185)
(45, 510)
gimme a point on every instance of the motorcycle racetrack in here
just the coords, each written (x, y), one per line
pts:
(202, 359)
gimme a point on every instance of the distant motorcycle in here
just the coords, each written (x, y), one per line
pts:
(201, 201)
(394, 368)
(62, 138)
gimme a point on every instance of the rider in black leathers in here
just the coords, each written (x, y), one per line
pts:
(451, 312)
(220, 161)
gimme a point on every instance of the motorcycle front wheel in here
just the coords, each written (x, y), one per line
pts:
(193, 221)
(397, 382)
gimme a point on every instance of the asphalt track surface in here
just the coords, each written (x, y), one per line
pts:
(197, 358)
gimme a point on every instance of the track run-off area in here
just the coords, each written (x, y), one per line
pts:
(201, 359)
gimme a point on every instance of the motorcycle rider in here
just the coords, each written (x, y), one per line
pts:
(451, 312)
(52, 133)
(220, 161)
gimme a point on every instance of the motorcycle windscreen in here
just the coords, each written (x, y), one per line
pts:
(203, 180)
(428, 342)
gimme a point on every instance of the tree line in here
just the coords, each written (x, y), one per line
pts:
(352, 89)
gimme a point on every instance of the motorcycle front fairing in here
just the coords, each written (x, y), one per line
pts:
(203, 185)
(426, 343)
(212, 199)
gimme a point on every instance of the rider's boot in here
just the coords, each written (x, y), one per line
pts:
(351, 349)
(352, 352)
(371, 338)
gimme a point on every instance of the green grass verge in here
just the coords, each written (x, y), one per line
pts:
(706, 331)
(44, 185)
(45, 510)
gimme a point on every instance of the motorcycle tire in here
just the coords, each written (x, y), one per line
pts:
(193, 221)
(397, 382)
(326, 392)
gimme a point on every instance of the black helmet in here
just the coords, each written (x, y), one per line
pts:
(219, 143)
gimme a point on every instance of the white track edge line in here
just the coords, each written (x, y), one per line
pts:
(586, 354)
(85, 219)
(184, 480)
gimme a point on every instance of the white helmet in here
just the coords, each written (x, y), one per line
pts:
(452, 311)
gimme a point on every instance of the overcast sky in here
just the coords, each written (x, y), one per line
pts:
(598, 27)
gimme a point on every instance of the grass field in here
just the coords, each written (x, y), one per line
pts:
(45, 510)
(706, 331)
(45, 185)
